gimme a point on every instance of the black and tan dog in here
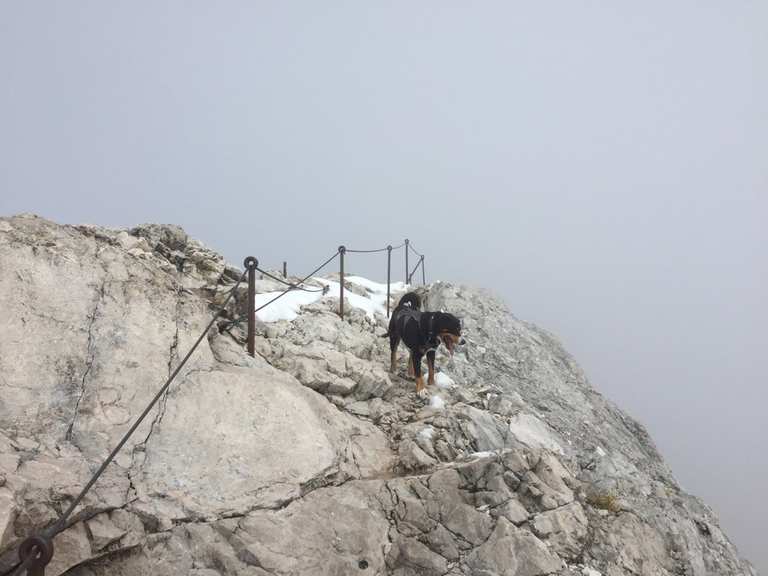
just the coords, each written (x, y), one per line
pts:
(422, 333)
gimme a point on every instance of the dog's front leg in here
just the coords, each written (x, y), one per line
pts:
(411, 371)
(431, 367)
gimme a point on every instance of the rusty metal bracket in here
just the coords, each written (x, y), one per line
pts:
(35, 553)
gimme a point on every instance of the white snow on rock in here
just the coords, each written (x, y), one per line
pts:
(426, 432)
(286, 307)
(368, 305)
(289, 306)
(376, 287)
(437, 403)
(483, 454)
(444, 381)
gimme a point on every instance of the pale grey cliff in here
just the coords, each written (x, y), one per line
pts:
(309, 458)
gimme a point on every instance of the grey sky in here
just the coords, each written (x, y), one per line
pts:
(603, 166)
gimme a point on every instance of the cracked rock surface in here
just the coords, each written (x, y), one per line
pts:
(309, 458)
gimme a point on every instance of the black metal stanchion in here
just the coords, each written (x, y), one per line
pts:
(389, 270)
(342, 250)
(407, 269)
(250, 264)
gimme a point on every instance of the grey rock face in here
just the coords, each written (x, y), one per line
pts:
(309, 458)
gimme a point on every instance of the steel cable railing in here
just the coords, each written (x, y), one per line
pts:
(293, 286)
(36, 551)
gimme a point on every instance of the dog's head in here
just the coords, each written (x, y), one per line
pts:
(449, 330)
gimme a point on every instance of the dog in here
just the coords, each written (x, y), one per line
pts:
(422, 333)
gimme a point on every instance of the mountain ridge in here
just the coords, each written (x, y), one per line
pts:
(521, 467)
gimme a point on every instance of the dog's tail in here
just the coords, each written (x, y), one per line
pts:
(410, 299)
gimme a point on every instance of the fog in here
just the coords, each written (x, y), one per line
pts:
(602, 167)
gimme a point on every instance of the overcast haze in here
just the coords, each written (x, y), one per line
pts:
(602, 166)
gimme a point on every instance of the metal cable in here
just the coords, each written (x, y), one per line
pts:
(19, 568)
(410, 276)
(293, 286)
(377, 249)
(284, 292)
(367, 251)
(414, 250)
(61, 522)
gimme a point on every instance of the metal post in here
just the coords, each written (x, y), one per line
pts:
(250, 264)
(389, 268)
(407, 270)
(342, 250)
(285, 269)
(423, 274)
(37, 551)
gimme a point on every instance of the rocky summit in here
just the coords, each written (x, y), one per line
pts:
(309, 458)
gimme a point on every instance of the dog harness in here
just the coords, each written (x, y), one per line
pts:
(428, 340)
(431, 341)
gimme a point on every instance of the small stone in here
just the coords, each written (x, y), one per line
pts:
(341, 386)
(359, 408)
(513, 511)
(414, 458)
(103, 531)
(126, 240)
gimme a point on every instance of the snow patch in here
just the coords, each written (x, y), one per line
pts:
(437, 403)
(444, 381)
(376, 303)
(376, 287)
(426, 433)
(485, 454)
(287, 307)
(587, 571)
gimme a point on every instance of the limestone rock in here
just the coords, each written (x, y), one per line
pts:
(565, 529)
(309, 458)
(103, 531)
(511, 551)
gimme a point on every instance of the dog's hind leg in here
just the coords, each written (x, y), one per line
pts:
(420, 388)
(394, 342)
